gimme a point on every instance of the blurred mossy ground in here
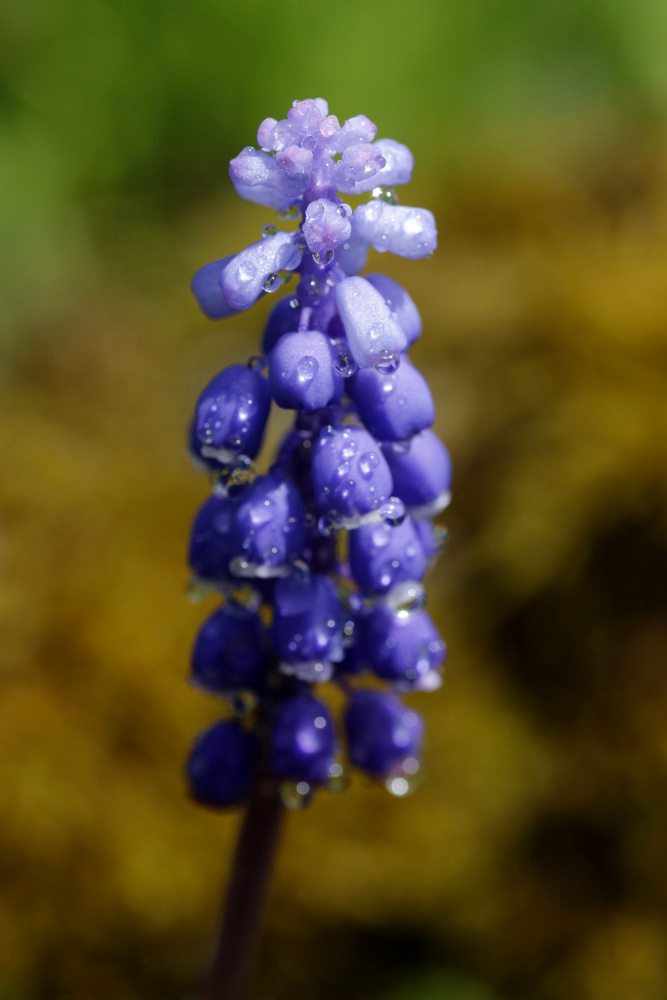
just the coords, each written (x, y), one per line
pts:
(531, 863)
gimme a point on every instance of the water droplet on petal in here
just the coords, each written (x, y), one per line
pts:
(367, 463)
(339, 778)
(345, 365)
(393, 511)
(327, 525)
(306, 369)
(398, 786)
(296, 794)
(269, 230)
(244, 703)
(196, 591)
(385, 194)
(272, 283)
(389, 363)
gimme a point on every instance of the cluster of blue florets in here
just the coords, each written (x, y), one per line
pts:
(320, 561)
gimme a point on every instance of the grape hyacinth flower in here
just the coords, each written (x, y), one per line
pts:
(319, 561)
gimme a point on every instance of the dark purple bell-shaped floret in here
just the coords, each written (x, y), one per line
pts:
(303, 740)
(396, 405)
(422, 473)
(268, 527)
(211, 541)
(227, 655)
(402, 646)
(382, 734)
(231, 414)
(350, 475)
(400, 304)
(382, 555)
(307, 619)
(431, 537)
(283, 318)
(302, 373)
(221, 765)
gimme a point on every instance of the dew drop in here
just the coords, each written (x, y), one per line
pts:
(306, 369)
(389, 363)
(399, 786)
(393, 511)
(385, 194)
(196, 592)
(327, 525)
(244, 703)
(367, 463)
(339, 778)
(324, 258)
(345, 365)
(269, 230)
(272, 283)
(296, 795)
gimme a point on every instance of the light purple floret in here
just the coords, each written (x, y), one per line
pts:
(304, 119)
(358, 165)
(207, 289)
(302, 375)
(268, 528)
(422, 474)
(350, 474)
(408, 232)
(258, 177)
(244, 277)
(372, 331)
(402, 646)
(400, 303)
(393, 405)
(354, 130)
(397, 167)
(382, 555)
(326, 226)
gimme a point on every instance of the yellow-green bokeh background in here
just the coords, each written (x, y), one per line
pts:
(531, 865)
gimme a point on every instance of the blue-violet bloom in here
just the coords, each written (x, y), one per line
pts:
(318, 562)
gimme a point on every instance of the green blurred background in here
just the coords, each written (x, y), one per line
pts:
(531, 864)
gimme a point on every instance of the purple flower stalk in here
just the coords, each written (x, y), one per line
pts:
(319, 562)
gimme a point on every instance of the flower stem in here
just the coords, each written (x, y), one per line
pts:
(246, 894)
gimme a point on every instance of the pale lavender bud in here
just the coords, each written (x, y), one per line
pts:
(357, 129)
(329, 127)
(408, 232)
(372, 332)
(247, 274)
(257, 177)
(326, 226)
(265, 133)
(295, 161)
(306, 116)
(397, 168)
(359, 163)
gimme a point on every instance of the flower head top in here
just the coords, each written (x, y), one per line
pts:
(360, 465)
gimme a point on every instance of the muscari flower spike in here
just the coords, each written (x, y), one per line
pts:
(320, 561)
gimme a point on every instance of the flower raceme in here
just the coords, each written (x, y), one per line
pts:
(319, 562)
